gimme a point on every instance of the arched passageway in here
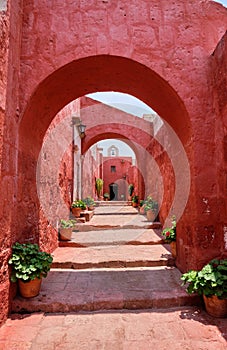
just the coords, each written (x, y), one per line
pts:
(57, 90)
(151, 156)
(163, 57)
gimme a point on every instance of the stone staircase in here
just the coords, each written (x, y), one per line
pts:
(118, 267)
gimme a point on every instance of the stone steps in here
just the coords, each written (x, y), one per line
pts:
(84, 227)
(124, 266)
(113, 256)
(112, 203)
(66, 290)
(114, 237)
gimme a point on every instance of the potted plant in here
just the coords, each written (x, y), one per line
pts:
(29, 265)
(106, 196)
(90, 203)
(135, 201)
(142, 206)
(130, 191)
(99, 185)
(169, 234)
(211, 283)
(151, 208)
(77, 206)
(66, 229)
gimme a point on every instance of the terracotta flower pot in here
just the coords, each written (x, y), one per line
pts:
(150, 215)
(76, 212)
(30, 289)
(91, 207)
(215, 307)
(173, 247)
(66, 234)
(142, 210)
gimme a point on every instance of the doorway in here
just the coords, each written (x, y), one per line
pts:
(113, 192)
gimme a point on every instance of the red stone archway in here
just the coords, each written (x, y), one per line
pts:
(167, 48)
(134, 137)
(59, 89)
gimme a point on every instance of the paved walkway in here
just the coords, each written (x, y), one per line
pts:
(115, 237)
(116, 217)
(67, 290)
(110, 256)
(174, 329)
(121, 268)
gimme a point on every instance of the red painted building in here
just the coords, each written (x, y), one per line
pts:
(118, 172)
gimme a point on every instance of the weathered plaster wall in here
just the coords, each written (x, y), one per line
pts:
(218, 84)
(91, 170)
(10, 28)
(54, 174)
(164, 63)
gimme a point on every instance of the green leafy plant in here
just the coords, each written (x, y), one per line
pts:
(89, 201)
(211, 280)
(150, 204)
(135, 199)
(28, 262)
(67, 223)
(79, 204)
(106, 195)
(130, 189)
(141, 202)
(169, 233)
(99, 185)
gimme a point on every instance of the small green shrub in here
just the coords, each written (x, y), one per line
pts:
(135, 199)
(151, 204)
(211, 280)
(130, 189)
(79, 204)
(99, 185)
(28, 262)
(89, 201)
(67, 223)
(169, 233)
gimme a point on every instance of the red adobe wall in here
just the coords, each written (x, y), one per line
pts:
(91, 171)
(218, 81)
(10, 29)
(157, 51)
(125, 174)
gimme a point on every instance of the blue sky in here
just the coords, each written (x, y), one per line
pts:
(223, 2)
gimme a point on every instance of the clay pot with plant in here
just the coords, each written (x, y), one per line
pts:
(142, 207)
(106, 196)
(130, 191)
(66, 229)
(29, 265)
(135, 201)
(90, 203)
(169, 235)
(99, 185)
(151, 208)
(211, 283)
(77, 207)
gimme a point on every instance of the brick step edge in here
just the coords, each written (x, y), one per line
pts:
(158, 300)
(113, 264)
(99, 244)
(88, 227)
